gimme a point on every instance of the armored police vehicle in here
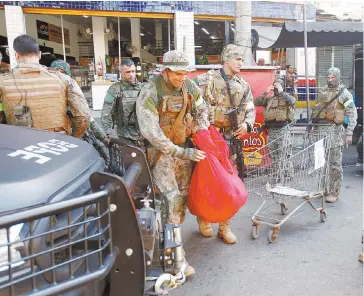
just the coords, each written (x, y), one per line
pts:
(70, 227)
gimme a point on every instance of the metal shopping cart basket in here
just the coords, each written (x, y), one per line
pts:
(294, 166)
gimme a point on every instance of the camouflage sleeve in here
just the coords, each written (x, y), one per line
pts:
(250, 109)
(97, 130)
(200, 109)
(350, 110)
(289, 99)
(106, 116)
(148, 120)
(201, 81)
(261, 100)
(79, 108)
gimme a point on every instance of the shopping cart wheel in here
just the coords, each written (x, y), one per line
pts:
(323, 215)
(284, 209)
(255, 231)
(273, 235)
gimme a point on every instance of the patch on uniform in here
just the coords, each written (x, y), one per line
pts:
(349, 103)
(201, 79)
(199, 101)
(150, 105)
(109, 98)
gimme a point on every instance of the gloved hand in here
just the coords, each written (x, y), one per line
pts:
(189, 154)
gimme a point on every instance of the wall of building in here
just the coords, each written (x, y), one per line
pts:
(31, 25)
(2, 23)
(31, 29)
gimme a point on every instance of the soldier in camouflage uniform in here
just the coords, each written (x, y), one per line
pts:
(278, 113)
(336, 102)
(215, 93)
(38, 97)
(63, 67)
(169, 110)
(119, 106)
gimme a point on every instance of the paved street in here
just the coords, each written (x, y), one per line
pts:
(310, 257)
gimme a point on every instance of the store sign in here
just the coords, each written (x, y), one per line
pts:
(52, 33)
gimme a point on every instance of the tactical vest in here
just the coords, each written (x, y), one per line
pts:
(42, 92)
(278, 110)
(219, 100)
(125, 107)
(170, 106)
(334, 112)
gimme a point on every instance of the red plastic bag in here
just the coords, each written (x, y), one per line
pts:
(216, 192)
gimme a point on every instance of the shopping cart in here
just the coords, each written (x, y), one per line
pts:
(294, 166)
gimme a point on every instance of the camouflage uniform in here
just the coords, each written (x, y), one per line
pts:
(119, 105)
(170, 161)
(43, 86)
(335, 114)
(278, 113)
(93, 127)
(216, 95)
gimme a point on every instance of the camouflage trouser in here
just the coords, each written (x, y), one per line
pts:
(280, 151)
(171, 176)
(334, 155)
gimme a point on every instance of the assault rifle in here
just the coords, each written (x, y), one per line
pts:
(236, 144)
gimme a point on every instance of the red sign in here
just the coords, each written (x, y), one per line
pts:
(259, 80)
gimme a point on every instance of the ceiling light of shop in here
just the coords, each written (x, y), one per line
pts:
(197, 23)
(203, 29)
(141, 34)
(85, 16)
(198, 46)
(232, 29)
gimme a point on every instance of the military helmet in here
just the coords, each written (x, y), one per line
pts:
(176, 60)
(231, 51)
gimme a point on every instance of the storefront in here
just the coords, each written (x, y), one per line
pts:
(94, 45)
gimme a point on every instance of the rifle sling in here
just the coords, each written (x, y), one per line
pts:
(326, 105)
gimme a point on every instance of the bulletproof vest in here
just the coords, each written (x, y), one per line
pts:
(170, 106)
(126, 97)
(278, 110)
(219, 100)
(334, 112)
(35, 96)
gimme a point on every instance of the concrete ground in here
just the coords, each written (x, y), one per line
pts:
(310, 257)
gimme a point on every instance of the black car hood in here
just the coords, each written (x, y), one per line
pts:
(35, 165)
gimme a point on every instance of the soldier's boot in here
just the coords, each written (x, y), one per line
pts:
(189, 270)
(225, 233)
(332, 198)
(204, 227)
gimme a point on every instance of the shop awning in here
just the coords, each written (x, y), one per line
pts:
(319, 34)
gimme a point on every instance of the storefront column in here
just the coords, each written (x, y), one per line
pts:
(15, 26)
(101, 49)
(158, 34)
(227, 32)
(184, 34)
(136, 42)
(291, 56)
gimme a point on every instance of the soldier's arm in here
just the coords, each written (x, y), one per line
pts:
(108, 110)
(250, 109)
(148, 120)
(261, 100)
(289, 99)
(79, 108)
(200, 109)
(350, 110)
(97, 130)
